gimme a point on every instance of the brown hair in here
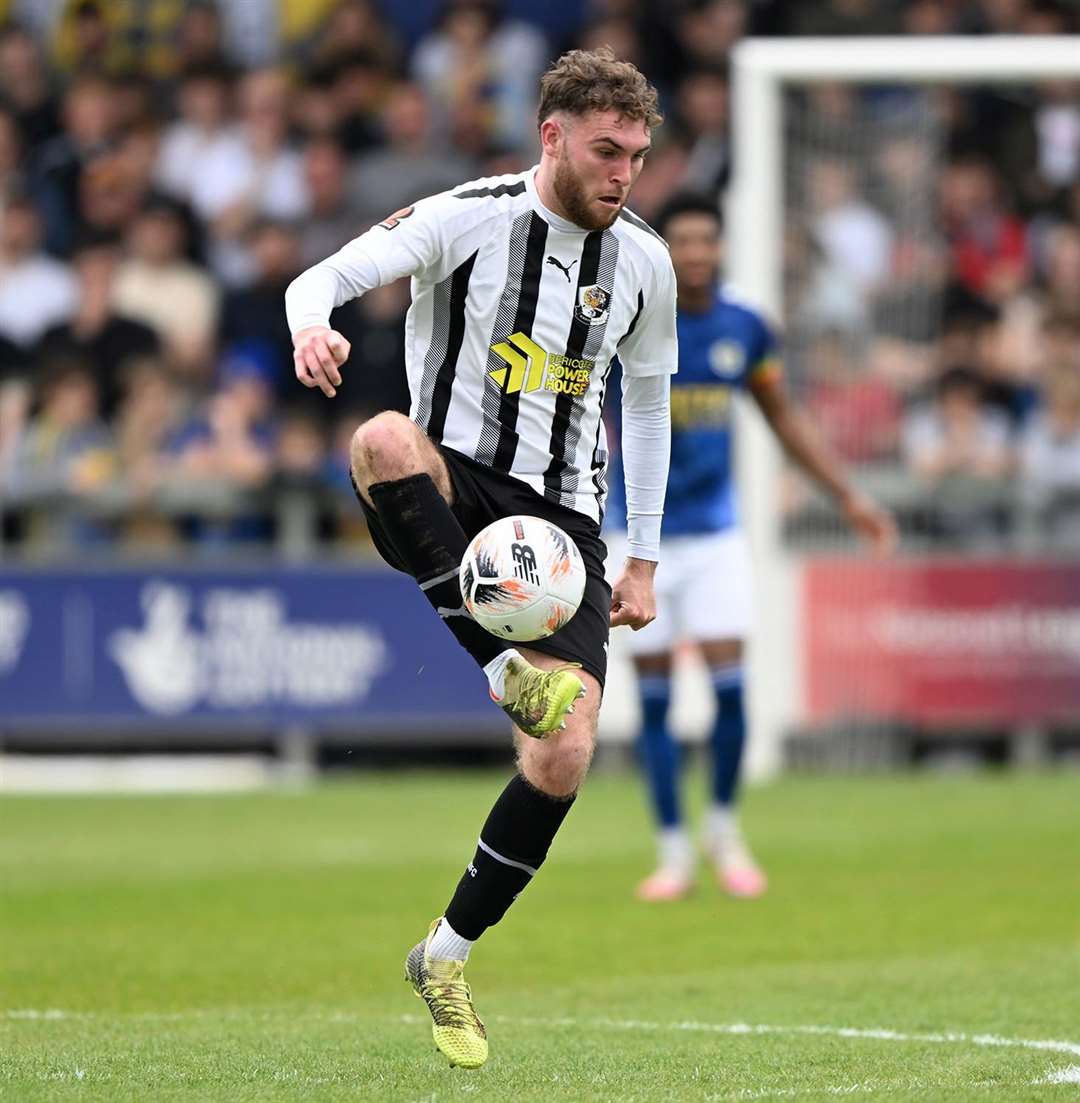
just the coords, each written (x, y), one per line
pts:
(596, 80)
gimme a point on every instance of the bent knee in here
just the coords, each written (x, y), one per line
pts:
(385, 447)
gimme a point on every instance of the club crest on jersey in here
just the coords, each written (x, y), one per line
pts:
(592, 305)
(726, 359)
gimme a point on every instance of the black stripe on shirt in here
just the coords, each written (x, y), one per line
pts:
(524, 316)
(575, 348)
(455, 335)
(492, 193)
(634, 320)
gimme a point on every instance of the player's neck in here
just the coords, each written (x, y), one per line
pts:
(696, 300)
(545, 191)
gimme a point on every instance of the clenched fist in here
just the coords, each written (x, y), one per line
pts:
(318, 353)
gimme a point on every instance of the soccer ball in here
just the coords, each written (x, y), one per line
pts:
(522, 578)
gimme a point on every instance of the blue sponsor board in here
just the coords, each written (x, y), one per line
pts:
(328, 647)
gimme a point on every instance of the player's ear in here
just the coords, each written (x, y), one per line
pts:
(552, 135)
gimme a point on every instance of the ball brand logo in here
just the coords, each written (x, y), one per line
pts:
(525, 563)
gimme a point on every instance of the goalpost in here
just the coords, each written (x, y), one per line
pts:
(763, 70)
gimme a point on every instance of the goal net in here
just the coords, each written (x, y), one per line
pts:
(852, 174)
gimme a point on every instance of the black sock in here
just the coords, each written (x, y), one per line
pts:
(513, 846)
(426, 535)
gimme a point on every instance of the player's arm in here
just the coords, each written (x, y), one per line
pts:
(403, 244)
(649, 353)
(646, 454)
(806, 448)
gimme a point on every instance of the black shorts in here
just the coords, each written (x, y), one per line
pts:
(481, 496)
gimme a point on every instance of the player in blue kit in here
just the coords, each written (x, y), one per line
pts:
(703, 582)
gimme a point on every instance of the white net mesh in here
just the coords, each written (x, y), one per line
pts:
(864, 286)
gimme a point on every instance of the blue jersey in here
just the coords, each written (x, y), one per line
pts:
(720, 350)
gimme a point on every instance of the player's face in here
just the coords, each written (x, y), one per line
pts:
(600, 156)
(694, 241)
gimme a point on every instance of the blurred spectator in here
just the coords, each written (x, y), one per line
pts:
(409, 167)
(353, 27)
(252, 317)
(1062, 290)
(89, 124)
(202, 134)
(855, 237)
(199, 37)
(707, 29)
(36, 291)
(703, 110)
(252, 31)
(1050, 445)
(619, 32)
(259, 176)
(65, 450)
(479, 60)
(1059, 338)
(989, 252)
(230, 446)
(150, 413)
(25, 87)
(331, 222)
(88, 39)
(159, 287)
(301, 448)
(114, 185)
(96, 336)
(361, 86)
(959, 446)
(958, 434)
(857, 410)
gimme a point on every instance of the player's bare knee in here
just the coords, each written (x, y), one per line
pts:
(384, 448)
(558, 765)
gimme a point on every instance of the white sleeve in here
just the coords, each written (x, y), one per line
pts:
(652, 347)
(646, 453)
(402, 245)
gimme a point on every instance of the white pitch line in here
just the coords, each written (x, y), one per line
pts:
(878, 1034)
(871, 1033)
(1069, 1075)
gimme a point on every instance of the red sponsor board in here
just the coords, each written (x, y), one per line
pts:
(941, 642)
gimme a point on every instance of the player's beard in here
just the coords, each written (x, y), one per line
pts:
(571, 194)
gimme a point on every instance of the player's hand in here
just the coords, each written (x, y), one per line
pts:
(318, 353)
(633, 600)
(871, 522)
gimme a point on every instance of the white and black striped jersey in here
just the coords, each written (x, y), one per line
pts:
(516, 316)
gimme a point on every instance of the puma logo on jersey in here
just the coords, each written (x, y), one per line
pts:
(562, 267)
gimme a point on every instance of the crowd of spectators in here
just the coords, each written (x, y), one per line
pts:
(166, 168)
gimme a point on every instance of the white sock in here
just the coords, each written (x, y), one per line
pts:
(447, 945)
(674, 850)
(721, 821)
(495, 671)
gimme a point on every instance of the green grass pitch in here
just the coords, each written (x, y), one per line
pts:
(920, 941)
